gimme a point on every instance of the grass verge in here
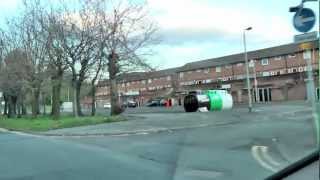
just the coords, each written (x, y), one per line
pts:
(45, 123)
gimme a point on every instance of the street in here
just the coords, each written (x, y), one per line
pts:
(214, 145)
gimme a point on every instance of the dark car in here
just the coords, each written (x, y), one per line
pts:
(155, 103)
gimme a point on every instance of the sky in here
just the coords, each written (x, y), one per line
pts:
(193, 30)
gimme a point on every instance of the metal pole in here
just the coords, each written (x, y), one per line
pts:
(317, 117)
(247, 72)
(255, 82)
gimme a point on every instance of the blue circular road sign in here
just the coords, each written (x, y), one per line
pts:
(304, 20)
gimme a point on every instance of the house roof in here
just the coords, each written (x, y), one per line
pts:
(138, 76)
(237, 58)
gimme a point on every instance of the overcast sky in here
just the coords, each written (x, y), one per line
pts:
(193, 30)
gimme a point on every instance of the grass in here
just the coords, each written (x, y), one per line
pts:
(45, 123)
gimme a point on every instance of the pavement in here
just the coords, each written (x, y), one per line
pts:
(229, 145)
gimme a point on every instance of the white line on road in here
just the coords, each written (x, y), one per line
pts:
(260, 154)
(268, 157)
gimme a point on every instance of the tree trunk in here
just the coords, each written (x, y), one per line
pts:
(19, 108)
(115, 106)
(74, 106)
(113, 70)
(76, 99)
(35, 103)
(44, 104)
(23, 108)
(78, 90)
(11, 113)
(56, 91)
(93, 102)
(14, 102)
(5, 109)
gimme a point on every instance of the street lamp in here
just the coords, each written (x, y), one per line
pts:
(247, 68)
(252, 65)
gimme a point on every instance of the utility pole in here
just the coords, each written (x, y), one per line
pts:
(247, 69)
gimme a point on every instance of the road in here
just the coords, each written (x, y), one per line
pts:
(252, 147)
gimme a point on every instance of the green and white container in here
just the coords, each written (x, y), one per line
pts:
(219, 100)
(213, 100)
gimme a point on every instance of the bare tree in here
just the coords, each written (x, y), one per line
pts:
(32, 41)
(78, 37)
(97, 72)
(53, 24)
(127, 37)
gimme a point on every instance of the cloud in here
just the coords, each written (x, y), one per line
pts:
(190, 20)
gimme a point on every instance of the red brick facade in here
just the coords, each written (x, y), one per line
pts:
(279, 77)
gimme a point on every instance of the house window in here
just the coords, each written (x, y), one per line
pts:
(291, 56)
(240, 64)
(199, 70)
(181, 75)
(307, 55)
(143, 82)
(228, 66)
(149, 80)
(264, 74)
(206, 70)
(218, 69)
(168, 78)
(278, 58)
(265, 62)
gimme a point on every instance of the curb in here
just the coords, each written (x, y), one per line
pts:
(4, 130)
(138, 132)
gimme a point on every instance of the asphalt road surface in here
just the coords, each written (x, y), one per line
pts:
(253, 148)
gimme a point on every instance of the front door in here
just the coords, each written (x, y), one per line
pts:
(263, 95)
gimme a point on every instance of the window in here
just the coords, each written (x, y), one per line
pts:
(143, 82)
(218, 69)
(168, 78)
(149, 80)
(228, 66)
(264, 62)
(181, 75)
(307, 55)
(291, 56)
(206, 70)
(240, 64)
(278, 58)
(189, 72)
(264, 74)
(199, 70)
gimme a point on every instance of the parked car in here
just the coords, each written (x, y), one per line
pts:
(130, 104)
(156, 102)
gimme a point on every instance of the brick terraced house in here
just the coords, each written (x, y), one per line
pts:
(280, 74)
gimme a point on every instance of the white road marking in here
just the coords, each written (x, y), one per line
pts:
(258, 155)
(268, 157)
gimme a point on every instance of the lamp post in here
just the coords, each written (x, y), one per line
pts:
(252, 65)
(247, 69)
